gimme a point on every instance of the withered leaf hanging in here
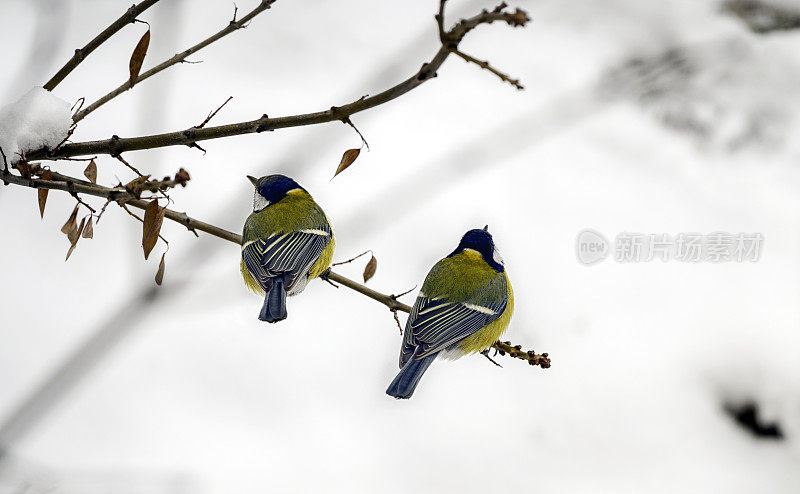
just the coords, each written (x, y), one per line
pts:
(137, 57)
(42, 193)
(348, 158)
(369, 269)
(153, 218)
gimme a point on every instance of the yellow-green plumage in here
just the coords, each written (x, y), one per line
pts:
(286, 242)
(464, 306)
(489, 334)
(467, 277)
(251, 283)
(296, 211)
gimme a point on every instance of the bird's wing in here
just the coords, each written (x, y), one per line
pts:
(436, 323)
(284, 254)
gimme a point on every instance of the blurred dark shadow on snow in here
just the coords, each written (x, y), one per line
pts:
(763, 16)
(746, 415)
(727, 94)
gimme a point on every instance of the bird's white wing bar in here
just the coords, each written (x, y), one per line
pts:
(289, 255)
(315, 232)
(479, 308)
(432, 325)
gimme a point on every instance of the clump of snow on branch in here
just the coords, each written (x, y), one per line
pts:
(37, 120)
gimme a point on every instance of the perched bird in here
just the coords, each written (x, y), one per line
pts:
(287, 241)
(464, 306)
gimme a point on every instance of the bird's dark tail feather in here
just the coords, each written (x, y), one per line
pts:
(406, 381)
(274, 309)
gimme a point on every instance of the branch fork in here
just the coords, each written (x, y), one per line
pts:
(130, 195)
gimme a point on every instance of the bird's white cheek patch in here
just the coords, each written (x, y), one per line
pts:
(496, 256)
(259, 202)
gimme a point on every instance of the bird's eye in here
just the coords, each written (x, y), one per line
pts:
(259, 202)
(496, 257)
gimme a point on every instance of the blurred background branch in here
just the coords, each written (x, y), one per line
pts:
(189, 137)
(232, 26)
(81, 53)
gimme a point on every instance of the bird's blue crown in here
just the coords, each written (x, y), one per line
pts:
(273, 188)
(480, 240)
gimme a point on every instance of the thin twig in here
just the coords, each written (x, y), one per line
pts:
(353, 259)
(75, 159)
(211, 115)
(124, 162)
(79, 103)
(394, 311)
(350, 123)
(405, 292)
(103, 210)
(485, 65)
(516, 351)
(178, 58)
(80, 201)
(397, 320)
(265, 123)
(70, 131)
(387, 300)
(5, 161)
(440, 21)
(81, 53)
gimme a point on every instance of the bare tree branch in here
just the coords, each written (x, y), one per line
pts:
(485, 65)
(119, 195)
(232, 26)
(75, 186)
(116, 145)
(81, 53)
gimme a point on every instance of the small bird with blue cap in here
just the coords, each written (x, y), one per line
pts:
(464, 306)
(287, 241)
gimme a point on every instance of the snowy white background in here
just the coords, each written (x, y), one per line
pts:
(194, 394)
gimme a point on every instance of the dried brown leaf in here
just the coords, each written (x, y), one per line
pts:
(137, 57)
(46, 175)
(74, 234)
(73, 237)
(153, 218)
(69, 252)
(160, 272)
(91, 172)
(369, 270)
(88, 232)
(348, 158)
(72, 222)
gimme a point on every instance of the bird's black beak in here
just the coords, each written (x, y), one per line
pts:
(486, 228)
(254, 180)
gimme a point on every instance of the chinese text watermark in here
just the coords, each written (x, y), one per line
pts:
(592, 247)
